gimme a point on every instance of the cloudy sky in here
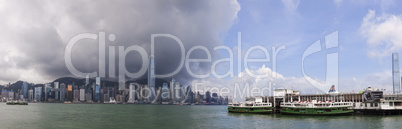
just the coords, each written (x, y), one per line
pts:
(34, 35)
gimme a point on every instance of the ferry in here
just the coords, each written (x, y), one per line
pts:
(252, 105)
(317, 108)
(314, 107)
(16, 103)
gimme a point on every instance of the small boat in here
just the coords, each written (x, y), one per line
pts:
(315, 107)
(67, 102)
(17, 103)
(252, 105)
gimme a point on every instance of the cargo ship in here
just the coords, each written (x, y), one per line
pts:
(252, 105)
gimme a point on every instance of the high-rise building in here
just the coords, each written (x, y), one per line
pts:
(143, 91)
(98, 81)
(208, 97)
(82, 94)
(11, 95)
(97, 93)
(62, 93)
(46, 90)
(38, 94)
(97, 90)
(395, 73)
(30, 95)
(4, 95)
(56, 85)
(165, 93)
(56, 94)
(87, 80)
(214, 98)
(110, 93)
(172, 93)
(106, 97)
(101, 94)
(88, 97)
(177, 92)
(93, 86)
(151, 79)
(158, 93)
(76, 95)
(70, 93)
(131, 93)
(189, 95)
(56, 91)
(24, 90)
(122, 86)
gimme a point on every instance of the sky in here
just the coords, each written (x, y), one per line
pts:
(34, 35)
(368, 33)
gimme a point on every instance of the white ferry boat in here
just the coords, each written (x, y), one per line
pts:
(252, 105)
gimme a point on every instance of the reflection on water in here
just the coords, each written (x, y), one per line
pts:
(46, 115)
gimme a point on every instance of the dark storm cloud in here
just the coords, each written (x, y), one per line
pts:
(34, 34)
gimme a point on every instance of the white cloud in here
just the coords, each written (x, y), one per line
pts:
(280, 81)
(383, 34)
(381, 80)
(34, 34)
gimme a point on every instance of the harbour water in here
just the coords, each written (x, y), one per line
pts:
(52, 115)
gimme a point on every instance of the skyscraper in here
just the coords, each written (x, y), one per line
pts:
(76, 95)
(82, 94)
(177, 92)
(56, 91)
(30, 95)
(87, 80)
(395, 73)
(62, 93)
(70, 93)
(189, 95)
(46, 90)
(24, 90)
(11, 95)
(38, 94)
(56, 85)
(172, 93)
(208, 97)
(110, 93)
(122, 86)
(165, 93)
(151, 79)
(97, 89)
(131, 97)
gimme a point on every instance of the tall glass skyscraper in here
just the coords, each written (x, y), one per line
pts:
(97, 89)
(395, 73)
(151, 78)
(24, 90)
(38, 94)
